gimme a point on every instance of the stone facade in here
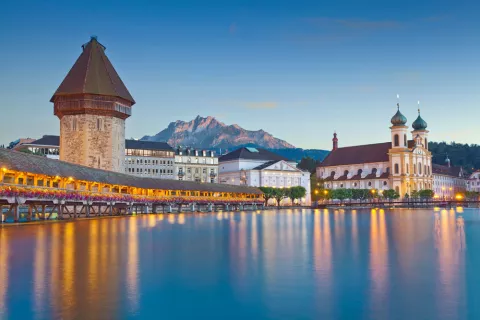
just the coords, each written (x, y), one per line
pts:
(93, 140)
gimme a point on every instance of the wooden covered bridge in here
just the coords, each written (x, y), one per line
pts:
(37, 188)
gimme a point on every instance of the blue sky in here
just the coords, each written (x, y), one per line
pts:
(297, 69)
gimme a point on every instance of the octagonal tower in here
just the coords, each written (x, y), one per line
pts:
(92, 104)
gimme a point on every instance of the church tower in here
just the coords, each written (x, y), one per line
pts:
(399, 153)
(92, 104)
(420, 132)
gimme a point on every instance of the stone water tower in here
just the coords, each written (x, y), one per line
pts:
(92, 104)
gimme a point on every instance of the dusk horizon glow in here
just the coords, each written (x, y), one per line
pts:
(298, 71)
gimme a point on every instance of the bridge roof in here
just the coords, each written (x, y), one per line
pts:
(24, 162)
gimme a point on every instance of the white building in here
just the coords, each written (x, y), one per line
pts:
(48, 146)
(261, 168)
(142, 158)
(401, 164)
(473, 183)
(448, 181)
(196, 165)
(149, 159)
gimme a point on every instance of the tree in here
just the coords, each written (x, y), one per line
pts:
(415, 194)
(279, 194)
(296, 193)
(341, 194)
(308, 163)
(268, 193)
(472, 195)
(391, 194)
(426, 194)
(318, 188)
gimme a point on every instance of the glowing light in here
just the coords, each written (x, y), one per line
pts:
(459, 197)
(4, 169)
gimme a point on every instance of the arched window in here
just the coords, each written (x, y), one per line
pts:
(414, 169)
(404, 140)
(74, 124)
(397, 190)
(384, 183)
(420, 168)
(369, 183)
(407, 168)
(396, 140)
(425, 169)
(341, 185)
(426, 143)
(345, 173)
(396, 168)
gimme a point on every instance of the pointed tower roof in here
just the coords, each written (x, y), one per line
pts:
(93, 73)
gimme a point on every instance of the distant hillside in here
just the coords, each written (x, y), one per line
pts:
(465, 155)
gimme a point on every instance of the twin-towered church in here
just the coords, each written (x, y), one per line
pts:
(401, 164)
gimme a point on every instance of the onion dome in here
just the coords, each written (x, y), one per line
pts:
(419, 123)
(398, 119)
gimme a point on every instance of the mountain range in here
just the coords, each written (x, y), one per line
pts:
(210, 134)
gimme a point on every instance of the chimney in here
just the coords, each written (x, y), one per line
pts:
(335, 141)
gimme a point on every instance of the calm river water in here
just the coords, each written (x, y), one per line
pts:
(289, 264)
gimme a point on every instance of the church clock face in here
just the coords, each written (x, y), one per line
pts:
(418, 151)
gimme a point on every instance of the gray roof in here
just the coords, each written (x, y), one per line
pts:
(49, 140)
(147, 145)
(24, 162)
(265, 165)
(245, 153)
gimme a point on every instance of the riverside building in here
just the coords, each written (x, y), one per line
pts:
(196, 165)
(142, 158)
(402, 164)
(448, 181)
(473, 183)
(261, 168)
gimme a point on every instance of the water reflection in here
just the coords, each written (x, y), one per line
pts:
(297, 264)
(4, 281)
(379, 260)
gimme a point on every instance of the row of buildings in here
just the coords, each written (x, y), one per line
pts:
(244, 167)
(404, 164)
(92, 104)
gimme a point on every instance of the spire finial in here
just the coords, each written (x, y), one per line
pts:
(398, 101)
(418, 103)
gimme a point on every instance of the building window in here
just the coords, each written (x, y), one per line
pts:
(396, 168)
(396, 140)
(74, 124)
(404, 140)
(419, 168)
(99, 124)
(407, 167)
(369, 183)
(384, 183)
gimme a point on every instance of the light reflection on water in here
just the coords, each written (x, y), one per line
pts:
(292, 264)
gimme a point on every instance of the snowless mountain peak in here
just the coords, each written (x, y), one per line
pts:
(208, 133)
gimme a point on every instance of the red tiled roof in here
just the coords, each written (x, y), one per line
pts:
(368, 153)
(446, 170)
(93, 73)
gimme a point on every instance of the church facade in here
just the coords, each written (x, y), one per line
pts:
(404, 163)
